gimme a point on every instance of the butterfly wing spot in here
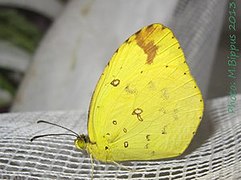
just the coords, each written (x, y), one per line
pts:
(127, 41)
(146, 146)
(130, 90)
(164, 130)
(175, 112)
(162, 110)
(150, 49)
(126, 144)
(115, 82)
(139, 118)
(165, 94)
(148, 137)
(138, 112)
(151, 85)
(114, 122)
(107, 135)
(106, 147)
(124, 130)
(116, 51)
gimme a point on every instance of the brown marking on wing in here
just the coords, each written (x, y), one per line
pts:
(148, 47)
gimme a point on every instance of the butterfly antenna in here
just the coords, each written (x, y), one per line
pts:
(44, 135)
(60, 134)
(46, 122)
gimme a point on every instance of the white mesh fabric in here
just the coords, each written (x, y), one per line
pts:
(215, 152)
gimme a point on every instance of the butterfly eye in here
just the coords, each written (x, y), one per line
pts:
(80, 143)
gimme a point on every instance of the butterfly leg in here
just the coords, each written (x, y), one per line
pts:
(123, 167)
(92, 167)
(127, 168)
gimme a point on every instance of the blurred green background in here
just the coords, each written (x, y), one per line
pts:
(20, 30)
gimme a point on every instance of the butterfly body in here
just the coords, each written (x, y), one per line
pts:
(146, 104)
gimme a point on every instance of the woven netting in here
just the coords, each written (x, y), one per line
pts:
(215, 152)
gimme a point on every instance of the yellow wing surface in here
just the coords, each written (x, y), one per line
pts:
(146, 104)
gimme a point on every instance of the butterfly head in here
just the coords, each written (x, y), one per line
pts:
(81, 142)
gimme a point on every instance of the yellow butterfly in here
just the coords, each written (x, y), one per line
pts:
(146, 105)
